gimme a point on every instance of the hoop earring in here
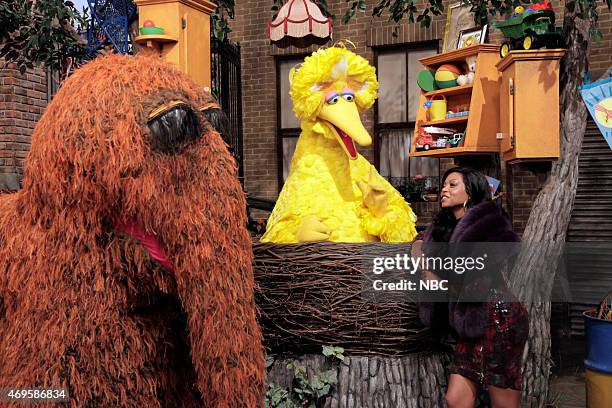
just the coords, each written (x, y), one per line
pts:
(465, 206)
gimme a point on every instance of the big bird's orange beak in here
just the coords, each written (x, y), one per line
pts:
(344, 121)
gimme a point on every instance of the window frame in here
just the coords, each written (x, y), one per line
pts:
(381, 127)
(280, 132)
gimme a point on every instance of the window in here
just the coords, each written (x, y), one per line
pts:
(396, 108)
(288, 125)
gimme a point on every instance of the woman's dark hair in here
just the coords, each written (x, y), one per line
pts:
(478, 191)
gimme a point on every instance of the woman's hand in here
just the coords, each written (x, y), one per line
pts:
(416, 252)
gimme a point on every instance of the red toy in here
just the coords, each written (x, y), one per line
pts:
(426, 141)
(544, 5)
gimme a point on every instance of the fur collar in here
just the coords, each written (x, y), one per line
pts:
(485, 222)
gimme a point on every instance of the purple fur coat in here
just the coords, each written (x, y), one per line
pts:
(485, 222)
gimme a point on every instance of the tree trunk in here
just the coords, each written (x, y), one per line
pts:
(417, 381)
(550, 215)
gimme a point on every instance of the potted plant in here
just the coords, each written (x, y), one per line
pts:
(416, 187)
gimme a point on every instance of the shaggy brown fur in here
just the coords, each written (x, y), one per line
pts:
(85, 307)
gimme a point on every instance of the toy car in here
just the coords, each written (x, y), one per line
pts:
(425, 141)
(456, 139)
(530, 29)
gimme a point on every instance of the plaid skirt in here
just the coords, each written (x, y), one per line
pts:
(495, 358)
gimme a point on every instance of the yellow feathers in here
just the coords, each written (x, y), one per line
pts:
(333, 193)
(328, 67)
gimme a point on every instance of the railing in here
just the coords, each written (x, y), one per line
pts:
(109, 24)
(413, 188)
(227, 88)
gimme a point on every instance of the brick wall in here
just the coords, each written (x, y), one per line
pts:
(601, 52)
(523, 183)
(23, 98)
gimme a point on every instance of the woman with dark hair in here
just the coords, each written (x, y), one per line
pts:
(491, 334)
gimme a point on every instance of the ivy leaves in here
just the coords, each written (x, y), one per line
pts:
(218, 21)
(306, 391)
(38, 32)
(359, 5)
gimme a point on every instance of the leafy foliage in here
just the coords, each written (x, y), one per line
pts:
(219, 25)
(38, 31)
(359, 5)
(334, 352)
(305, 392)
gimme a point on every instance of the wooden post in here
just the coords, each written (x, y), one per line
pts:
(186, 38)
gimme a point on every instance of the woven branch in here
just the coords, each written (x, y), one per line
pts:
(313, 294)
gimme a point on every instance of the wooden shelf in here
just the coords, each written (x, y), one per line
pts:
(482, 122)
(455, 90)
(456, 151)
(459, 55)
(530, 55)
(159, 38)
(446, 122)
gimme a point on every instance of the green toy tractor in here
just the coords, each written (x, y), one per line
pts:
(529, 30)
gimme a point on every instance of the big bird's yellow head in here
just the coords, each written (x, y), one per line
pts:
(329, 91)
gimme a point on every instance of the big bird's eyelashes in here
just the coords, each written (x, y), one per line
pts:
(332, 98)
(173, 126)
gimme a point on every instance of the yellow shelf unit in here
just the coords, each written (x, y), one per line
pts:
(482, 97)
(455, 90)
(155, 37)
(186, 39)
(447, 122)
(155, 40)
(529, 99)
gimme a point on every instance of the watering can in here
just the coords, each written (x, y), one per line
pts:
(437, 107)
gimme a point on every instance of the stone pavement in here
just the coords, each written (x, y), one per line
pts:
(568, 390)
(567, 385)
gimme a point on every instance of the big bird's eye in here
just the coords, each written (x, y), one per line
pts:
(332, 98)
(349, 97)
(173, 126)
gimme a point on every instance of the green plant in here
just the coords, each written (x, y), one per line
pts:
(38, 31)
(417, 184)
(219, 24)
(305, 391)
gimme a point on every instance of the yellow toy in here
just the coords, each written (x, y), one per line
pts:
(333, 193)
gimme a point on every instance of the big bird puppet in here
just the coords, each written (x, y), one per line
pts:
(125, 263)
(332, 192)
